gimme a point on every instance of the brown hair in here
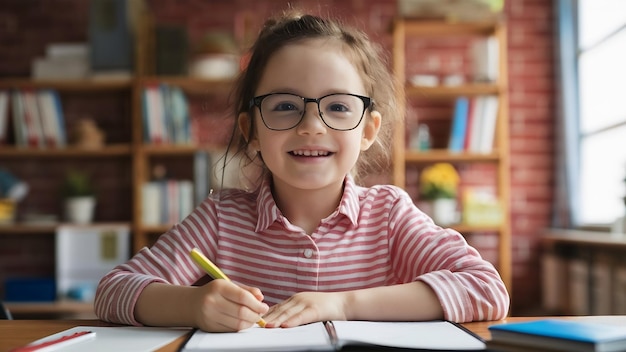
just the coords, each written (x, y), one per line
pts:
(367, 58)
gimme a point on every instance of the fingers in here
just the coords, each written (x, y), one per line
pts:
(306, 307)
(235, 317)
(228, 307)
(248, 297)
(255, 291)
(289, 314)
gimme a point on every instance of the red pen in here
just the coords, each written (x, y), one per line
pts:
(53, 345)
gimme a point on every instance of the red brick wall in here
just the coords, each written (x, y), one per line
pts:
(532, 123)
(27, 26)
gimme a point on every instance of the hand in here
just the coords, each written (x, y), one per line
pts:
(224, 306)
(307, 307)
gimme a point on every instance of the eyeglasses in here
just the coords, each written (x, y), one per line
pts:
(339, 111)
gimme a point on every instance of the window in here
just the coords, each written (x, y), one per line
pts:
(602, 106)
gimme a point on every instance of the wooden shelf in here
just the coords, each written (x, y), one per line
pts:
(190, 84)
(441, 155)
(155, 229)
(25, 229)
(405, 28)
(159, 150)
(80, 85)
(441, 28)
(112, 150)
(37, 229)
(585, 238)
(452, 91)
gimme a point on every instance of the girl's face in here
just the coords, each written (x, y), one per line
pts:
(311, 155)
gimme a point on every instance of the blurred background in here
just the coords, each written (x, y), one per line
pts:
(114, 115)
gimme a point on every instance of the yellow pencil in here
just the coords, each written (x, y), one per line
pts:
(213, 270)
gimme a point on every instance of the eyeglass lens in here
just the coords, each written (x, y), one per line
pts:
(338, 111)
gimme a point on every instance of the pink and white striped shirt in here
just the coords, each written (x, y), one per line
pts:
(376, 237)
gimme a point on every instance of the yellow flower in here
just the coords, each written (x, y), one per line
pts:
(439, 181)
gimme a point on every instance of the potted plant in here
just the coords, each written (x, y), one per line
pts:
(439, 187)
(79, 197)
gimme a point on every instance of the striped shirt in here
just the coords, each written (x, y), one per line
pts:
(376, 237)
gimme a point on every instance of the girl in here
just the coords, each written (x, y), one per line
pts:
(315, 107)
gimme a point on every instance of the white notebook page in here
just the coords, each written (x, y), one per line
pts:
(311, 337)
(436, 335)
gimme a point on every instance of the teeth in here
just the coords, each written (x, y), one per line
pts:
(310, 152)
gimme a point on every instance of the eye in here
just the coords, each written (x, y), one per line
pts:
(285, 106)
(338, 107)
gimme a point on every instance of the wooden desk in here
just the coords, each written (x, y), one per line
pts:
(15, 333)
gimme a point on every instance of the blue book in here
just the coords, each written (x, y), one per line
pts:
(459, 125)
(110, 35)
(558, 335)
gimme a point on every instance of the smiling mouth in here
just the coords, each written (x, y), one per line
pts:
(312, 153)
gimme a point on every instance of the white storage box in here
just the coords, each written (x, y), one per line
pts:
(85, 253)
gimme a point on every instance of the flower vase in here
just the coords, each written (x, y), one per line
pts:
(444, 211)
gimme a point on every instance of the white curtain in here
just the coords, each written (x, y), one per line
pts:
(566, 193)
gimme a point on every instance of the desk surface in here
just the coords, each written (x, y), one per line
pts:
(15, 333)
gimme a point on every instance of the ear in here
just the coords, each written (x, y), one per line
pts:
(370, 130)
(245, 124)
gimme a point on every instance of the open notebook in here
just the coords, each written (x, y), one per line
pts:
(331, 336)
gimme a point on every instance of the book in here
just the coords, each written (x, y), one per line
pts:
(471, 113)
(459, 125)
(482, 130)
(558, 335)
(332, 336)
(60, 117)
(4, 116)
(171, 50)
(51, 117)
(579, 286)
(601, 280)
(485, 59)
(180, 119)
(202, 176)
(554, 290)
(475, 126)
(19, 125)
(488, 124)
(110, 35)
(32, 117)
(151, 204)
(154, 115)
(619, 289)
(186, 199)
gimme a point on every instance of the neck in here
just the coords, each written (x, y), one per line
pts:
(307, 208)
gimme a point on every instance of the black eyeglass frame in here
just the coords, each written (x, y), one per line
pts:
(368, 103)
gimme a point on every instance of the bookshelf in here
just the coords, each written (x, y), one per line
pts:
(404, 32)
(122, 165)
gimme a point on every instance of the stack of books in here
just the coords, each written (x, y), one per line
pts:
(557, 335)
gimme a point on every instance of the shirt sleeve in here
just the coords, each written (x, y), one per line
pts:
(468, 287)
(168, 261)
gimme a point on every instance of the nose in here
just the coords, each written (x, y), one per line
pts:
(312, 120)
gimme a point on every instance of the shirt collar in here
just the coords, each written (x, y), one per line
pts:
(268, 210)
